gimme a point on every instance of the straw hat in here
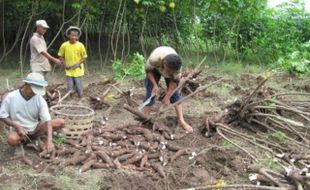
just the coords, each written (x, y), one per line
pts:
(75, 28)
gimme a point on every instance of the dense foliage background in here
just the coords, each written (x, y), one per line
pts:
(244, 31)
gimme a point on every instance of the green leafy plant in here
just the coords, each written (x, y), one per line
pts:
(58, 140)
(118, 70)
(298, 61)
(226, 144)
(134, 68)
(268, 163)
(279, 135)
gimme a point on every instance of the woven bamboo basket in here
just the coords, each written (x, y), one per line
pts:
(78, 119)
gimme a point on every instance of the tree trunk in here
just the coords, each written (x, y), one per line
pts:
(18, 33)
(21, 63)
(99, 41)
(114, 49)
(142, 35)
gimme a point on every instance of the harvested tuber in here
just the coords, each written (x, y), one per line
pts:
(143, 161)
(136, 158)
(178, 154)
(87, 165)
(104, 157)
(117, 164)
(158, 168)
(27, 160)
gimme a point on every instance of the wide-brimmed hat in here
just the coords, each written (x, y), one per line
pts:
(37, 83)
(75, 28)
(42, 23)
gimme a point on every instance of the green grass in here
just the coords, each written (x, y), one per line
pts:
(74, 180)
(59, 140)
(233, 69)
(226, 144)
(280, 136)
(222, 90)
(27, 178)
(201, 106)
(266, 161)
(9, 78)
(67, 179)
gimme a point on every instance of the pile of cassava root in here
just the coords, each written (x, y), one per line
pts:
(131, 147)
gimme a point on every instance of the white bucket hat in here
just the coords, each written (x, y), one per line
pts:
(73, 28)
(37, 83)
(42, 23)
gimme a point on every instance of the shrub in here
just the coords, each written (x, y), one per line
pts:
(134, 68)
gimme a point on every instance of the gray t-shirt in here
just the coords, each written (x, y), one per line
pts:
(27, 113)
(155, 61)
(38, 62)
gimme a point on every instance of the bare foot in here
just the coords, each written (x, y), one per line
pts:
(186, 127)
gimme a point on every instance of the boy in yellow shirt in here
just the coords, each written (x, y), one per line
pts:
(73, 55)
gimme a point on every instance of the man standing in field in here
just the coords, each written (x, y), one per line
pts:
(73, 55)
(26, 112)
(40, 58)
(164, 61)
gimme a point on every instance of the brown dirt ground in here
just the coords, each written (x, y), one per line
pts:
(216, 158)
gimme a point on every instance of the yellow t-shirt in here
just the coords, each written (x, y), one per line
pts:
(73, 53)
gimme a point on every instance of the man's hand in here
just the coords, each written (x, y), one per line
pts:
(62, 61)
(155, 90)
(18, 128)
(186, 73)
(51, 58)
(58, 61)
(77, 65)
(166, 101)
(50, 147)
(21, 131)
(67, 67)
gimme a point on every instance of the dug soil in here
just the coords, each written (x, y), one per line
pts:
(212, 160)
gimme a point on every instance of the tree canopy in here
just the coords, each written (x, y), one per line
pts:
(240, 30)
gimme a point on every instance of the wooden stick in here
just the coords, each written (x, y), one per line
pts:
(262, 171)
(199, 89)
(7, 84)
(292, 94)
(273, 130)
(288, 107)
(54, 87)
(139, 114)
(233, 132)
(240, 186)
(289, 121)
(116, 88)
(244, 150)
(288, 128)
(250, 97)
(106, 91)
(63, 98)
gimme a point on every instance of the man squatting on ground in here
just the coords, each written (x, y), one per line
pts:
(164, 61)
(26, 112)
(39, 61)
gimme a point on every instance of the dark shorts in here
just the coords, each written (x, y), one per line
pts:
(32, 134)
(149, 87)
(74, 84)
